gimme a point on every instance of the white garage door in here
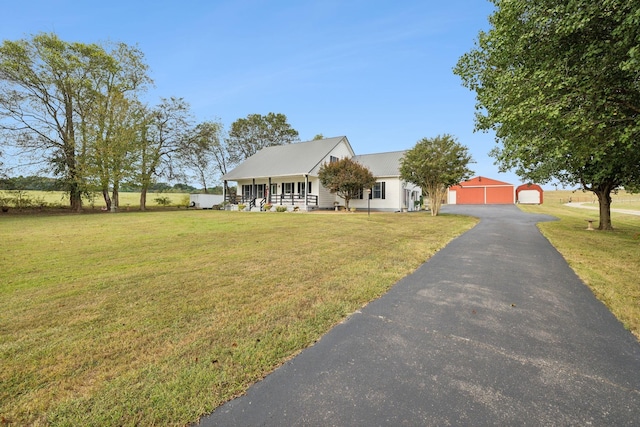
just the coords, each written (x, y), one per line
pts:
(529, 197)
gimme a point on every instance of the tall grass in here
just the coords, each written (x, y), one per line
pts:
(60, 199)
(157, 318)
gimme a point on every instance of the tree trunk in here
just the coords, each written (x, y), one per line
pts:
(107, 199)
(75, 198)
(604, 200)
(115, 202)
(436, 195)
(143, 199)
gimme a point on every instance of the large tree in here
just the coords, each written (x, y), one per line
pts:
(250, 135)
(50, 91)
(205, 153)
(115, 146)
(559, 83)
(435, 164)
(164, 133)
(346, 178)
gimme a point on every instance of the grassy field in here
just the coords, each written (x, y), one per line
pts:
(156, 318)
(607, 261)
(58, 199)
(621, 200)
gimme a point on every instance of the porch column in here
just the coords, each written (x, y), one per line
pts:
(253, 189)
(306, 190)
(269, 191)
(224, 191)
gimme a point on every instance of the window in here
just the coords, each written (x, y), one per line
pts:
(301, 189)
(274, 189)
(246, 192)
(378, 191)
(333, 159)
(287, 188)
(249, 191)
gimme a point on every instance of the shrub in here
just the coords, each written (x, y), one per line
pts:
(281, 208)
(163, 201)
(241, 206)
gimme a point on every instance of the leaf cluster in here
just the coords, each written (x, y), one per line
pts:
(435, 164)
(558, 81)
(346, 178)
(249, 135)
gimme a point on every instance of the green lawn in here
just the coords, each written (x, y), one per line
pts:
(157, 318)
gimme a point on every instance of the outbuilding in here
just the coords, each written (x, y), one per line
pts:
(481, 191)
(529, 194)
(205, 201)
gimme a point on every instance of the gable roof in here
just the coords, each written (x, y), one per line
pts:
(382, 164)
(286, 160)
(481, 181)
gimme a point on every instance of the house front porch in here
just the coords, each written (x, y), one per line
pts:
(303, 202)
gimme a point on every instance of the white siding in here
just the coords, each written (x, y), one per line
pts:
(340, 151)
(394, 196)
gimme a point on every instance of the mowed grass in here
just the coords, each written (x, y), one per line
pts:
(157, 318)
(607, 261)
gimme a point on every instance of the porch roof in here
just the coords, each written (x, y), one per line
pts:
(285, 160)
(382, 164)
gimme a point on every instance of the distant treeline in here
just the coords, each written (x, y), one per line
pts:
(41, 183)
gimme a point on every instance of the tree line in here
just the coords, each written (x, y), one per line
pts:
(44, 183)
(76, 110)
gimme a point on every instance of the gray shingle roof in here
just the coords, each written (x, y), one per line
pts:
(285, 160)
(382, 164)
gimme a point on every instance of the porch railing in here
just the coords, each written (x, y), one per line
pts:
(292, 199)
(282, 199)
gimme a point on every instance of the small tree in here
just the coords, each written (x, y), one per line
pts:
(346, 178)
(434, 165)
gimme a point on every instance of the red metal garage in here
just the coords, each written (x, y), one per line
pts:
(482, 191)
(529, 194)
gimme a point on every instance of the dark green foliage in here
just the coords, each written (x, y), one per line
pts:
(250, 135)
(435, 164)
(347, 178)
(558, 81)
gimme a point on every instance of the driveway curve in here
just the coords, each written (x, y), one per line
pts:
(495, 329)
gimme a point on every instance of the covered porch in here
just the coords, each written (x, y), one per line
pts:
(290, 191)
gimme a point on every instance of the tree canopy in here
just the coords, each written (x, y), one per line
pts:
(55, 97)
(74, 110)
(346, 178)
(249, 135)
(559, 83)
(205, 154)
(435, 164)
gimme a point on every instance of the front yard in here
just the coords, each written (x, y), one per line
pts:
(156, 318)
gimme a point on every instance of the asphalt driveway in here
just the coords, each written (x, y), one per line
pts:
(495, 329)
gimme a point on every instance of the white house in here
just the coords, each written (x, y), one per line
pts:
(288, 175)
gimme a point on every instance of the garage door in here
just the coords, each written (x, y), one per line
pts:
(529, 197)
(499, 195)
(470, 196)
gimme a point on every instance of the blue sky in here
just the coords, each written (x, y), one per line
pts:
(379, 72)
